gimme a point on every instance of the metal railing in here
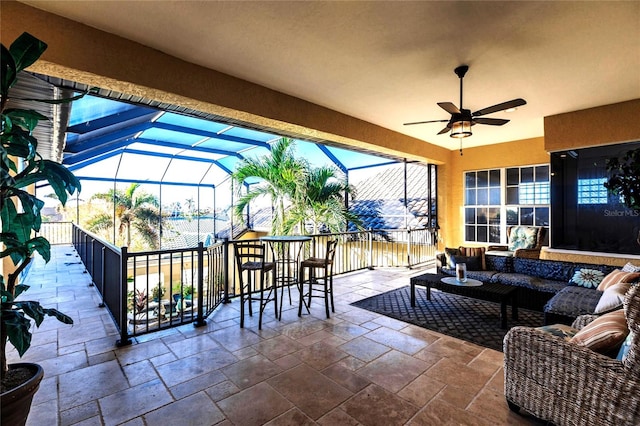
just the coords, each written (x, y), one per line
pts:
(150, 291)
(57, 232)
(154, 290)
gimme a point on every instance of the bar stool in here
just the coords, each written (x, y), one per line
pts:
(324, 279)
(250, 257)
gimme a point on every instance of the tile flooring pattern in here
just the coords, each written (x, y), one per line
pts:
(357, 368)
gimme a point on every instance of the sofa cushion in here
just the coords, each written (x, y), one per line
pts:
(604, 334)
(448, 252)
(587, 277)
(484, 276)
(612, 298)
(475, 251)
(573, 301)
(528, 281)
(618, 276)
(474, 263)
(550, 269)
(499, 263)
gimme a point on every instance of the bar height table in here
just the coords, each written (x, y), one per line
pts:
(286, 255)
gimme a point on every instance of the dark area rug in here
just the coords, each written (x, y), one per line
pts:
(473, 320)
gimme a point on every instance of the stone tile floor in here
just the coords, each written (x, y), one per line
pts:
(357, 368)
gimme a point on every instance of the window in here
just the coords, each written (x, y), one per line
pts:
(592, 191)
(482, 206)
(527, 197)
(497, 198)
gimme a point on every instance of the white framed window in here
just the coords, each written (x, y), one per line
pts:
(497, 198)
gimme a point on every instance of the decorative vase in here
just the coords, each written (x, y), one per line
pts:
(461, 272)
(16, 403)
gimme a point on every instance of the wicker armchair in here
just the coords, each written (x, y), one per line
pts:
(529, 253)
(567, 384)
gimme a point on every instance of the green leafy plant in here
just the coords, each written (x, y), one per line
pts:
(157, 292)
(624, 178)
(20, 211)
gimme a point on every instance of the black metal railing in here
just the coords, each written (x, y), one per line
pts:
(154, 290)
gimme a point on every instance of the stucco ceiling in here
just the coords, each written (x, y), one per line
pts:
(390, 62)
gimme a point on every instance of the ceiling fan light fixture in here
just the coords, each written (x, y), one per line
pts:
(461, 129)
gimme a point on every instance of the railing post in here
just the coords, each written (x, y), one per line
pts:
(200, 321)
(103, 273)
(124, 332)
(93, 263)
(409, 248)
(225, 268)
(370, 238)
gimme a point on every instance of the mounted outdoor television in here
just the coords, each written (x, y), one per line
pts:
(584, 216)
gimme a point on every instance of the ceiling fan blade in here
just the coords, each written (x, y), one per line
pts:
(445, 130)
(491, 121)
(500, 107)
(424, 122)
(449, 107)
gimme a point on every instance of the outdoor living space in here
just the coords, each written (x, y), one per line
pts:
(355, 368)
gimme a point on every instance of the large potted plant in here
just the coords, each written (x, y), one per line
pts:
(20, 213)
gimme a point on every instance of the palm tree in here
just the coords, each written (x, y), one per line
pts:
(321, 202)
(133, 209)
(281, 175)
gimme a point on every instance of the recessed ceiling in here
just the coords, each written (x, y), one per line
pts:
(390, 62)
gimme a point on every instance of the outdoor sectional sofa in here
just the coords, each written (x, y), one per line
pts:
(543, 284)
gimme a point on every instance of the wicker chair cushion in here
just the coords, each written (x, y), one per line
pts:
(528, 281)
(523, 237)
(612, 298)
(587, 277)
(624, 349)
(573, 301)
(563, 331)
(605, 333)
(618, 276)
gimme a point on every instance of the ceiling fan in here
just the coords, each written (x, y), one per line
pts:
(462, 119)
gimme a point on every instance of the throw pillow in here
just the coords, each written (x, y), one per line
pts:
(624, 349)
(475, 251)
(630, 267)
(618, 276)
(604, 334)
(522, 237)
(448, 252)
(563, 331)
(589, 278)
(473, 262)
(612, 298)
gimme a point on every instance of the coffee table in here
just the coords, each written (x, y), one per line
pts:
(492, 292)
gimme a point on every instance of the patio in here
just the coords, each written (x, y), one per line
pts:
(356, 368)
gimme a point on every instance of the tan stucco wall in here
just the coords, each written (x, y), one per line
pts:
(602, 125)
(518, 153)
